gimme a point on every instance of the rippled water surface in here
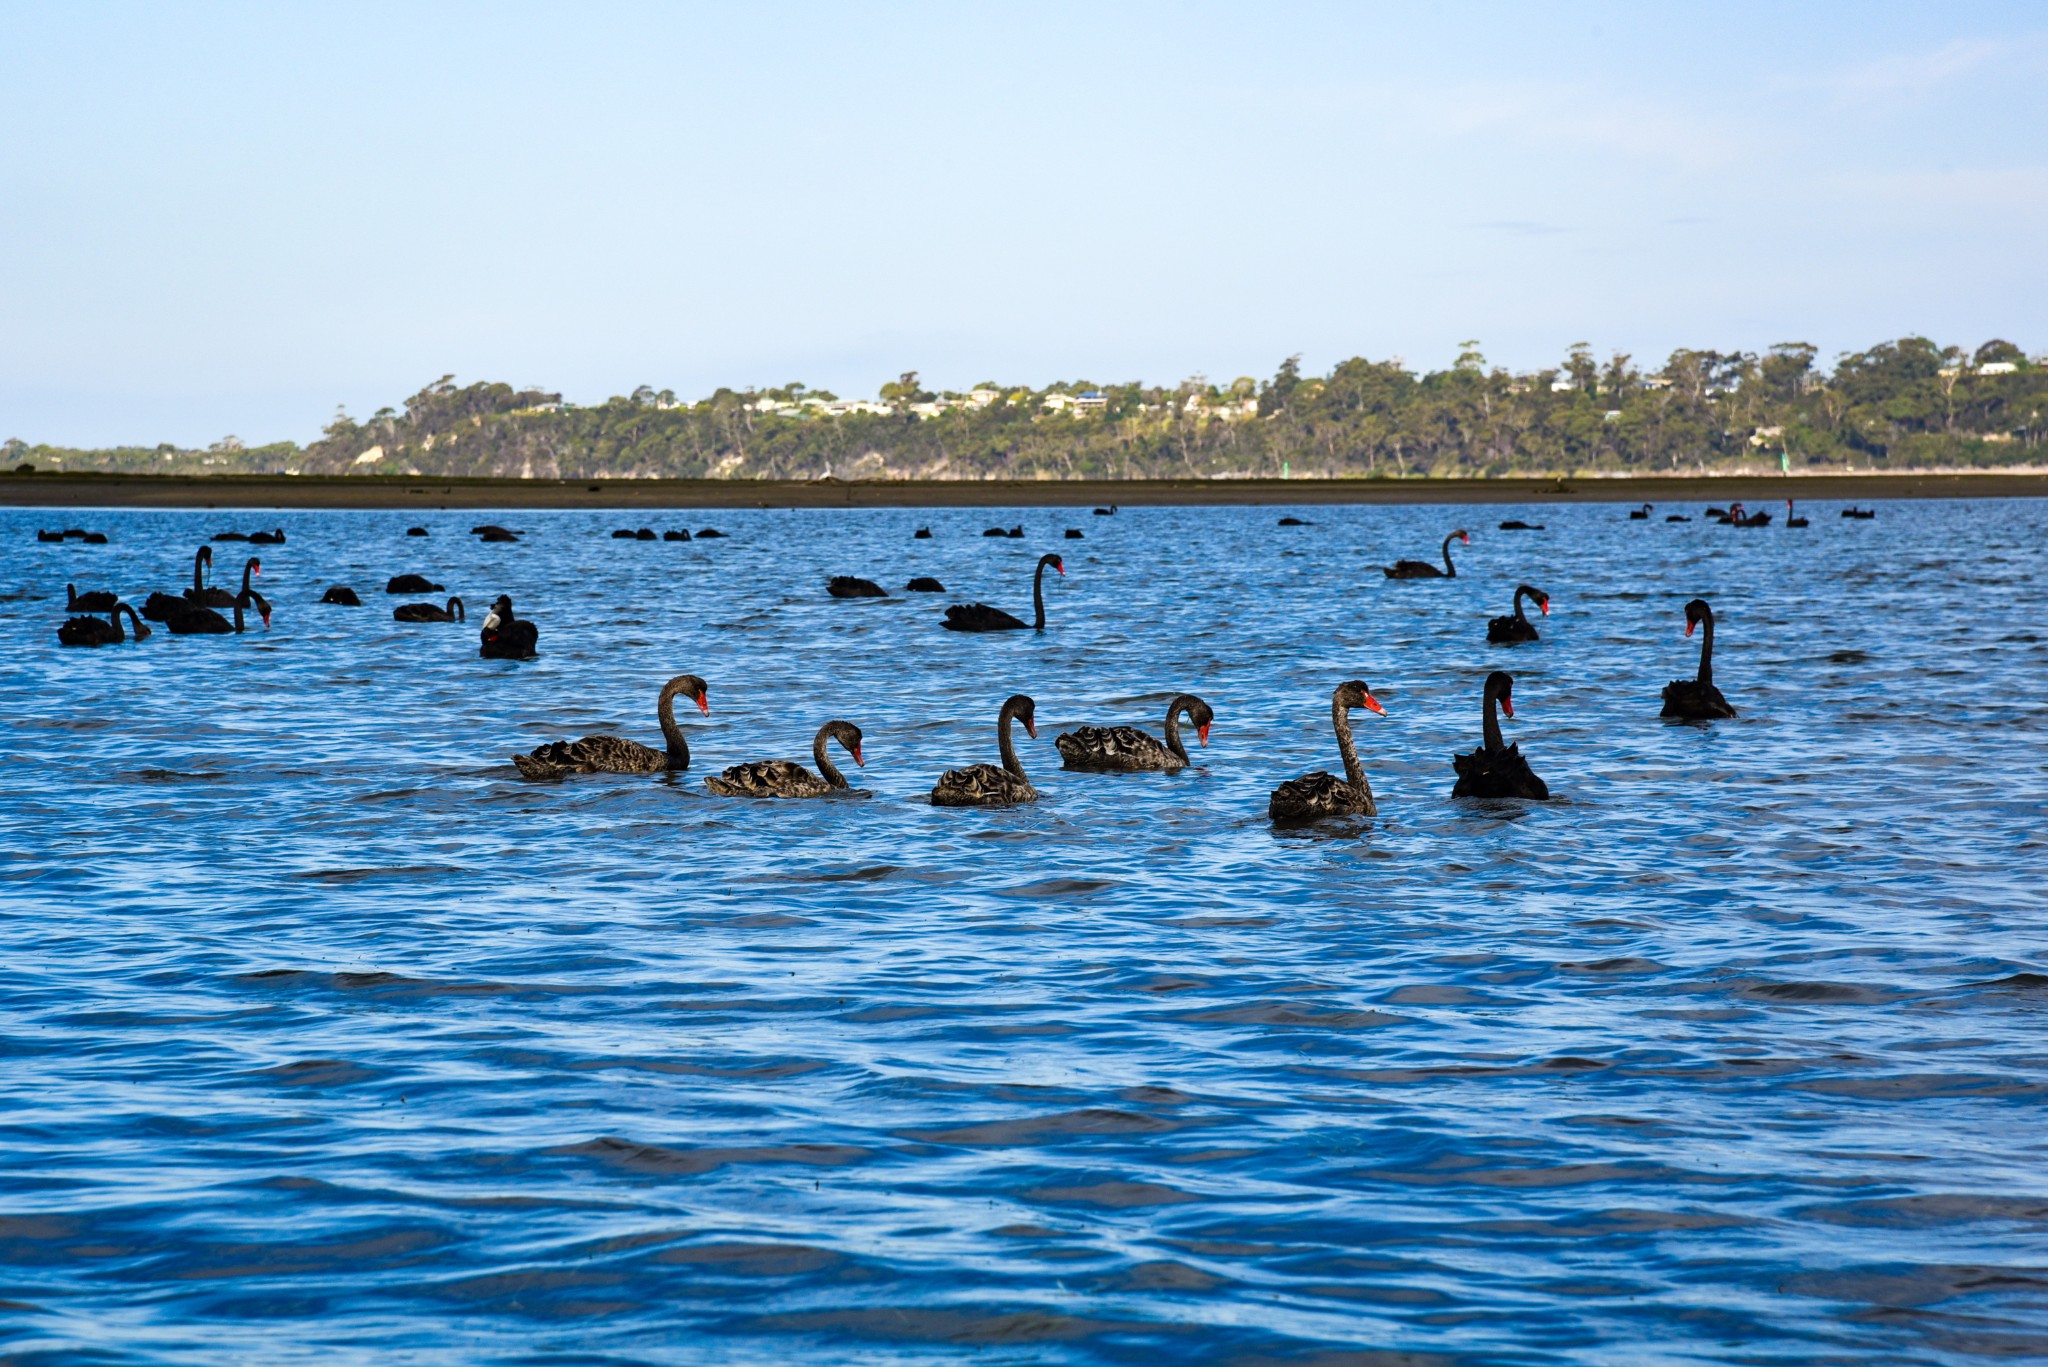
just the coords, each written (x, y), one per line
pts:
(327, 1037)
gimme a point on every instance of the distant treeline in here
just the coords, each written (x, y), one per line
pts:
(1908, 404)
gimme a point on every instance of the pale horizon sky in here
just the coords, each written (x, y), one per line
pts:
(231, 218)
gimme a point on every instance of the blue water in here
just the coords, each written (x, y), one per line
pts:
(326, 1038)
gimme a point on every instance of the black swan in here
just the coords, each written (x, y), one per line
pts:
(1697, 699)
(1294, 522)
(1717, 514)
(198, 621)
(221, 598)
(1074, 534)
(273, 538)
(1642, 514)
(786, 778)
(709, 533)
(1322, 794)
(1792, 518)
(1864, 513)
(995, 531)
(846, 586)
(491, 531)
(48, 537)
(159, 606)
(94, 538)
(984, 785)
(1512, 525)
(1510, 629)
(427, 612)
(230, 536)
(982, 617)
(415, 531)
(921, 534)
(411, 583)
(623, 534)
(1016, 533)
(675, 534)
(1422, 569)
(505, 637)
(1494, 769)
(341, 595)
(1676, 517)
(95, 600)
(1110, 511)
(91, 631)
(1739, 516)
(1126, 749)
(616, 754)
(924, 583)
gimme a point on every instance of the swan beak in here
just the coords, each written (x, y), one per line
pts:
(1545, 605)
(1507, 704)
(1029, 729)
(1061, 567)
(1466, 538)
(1203, 732)
(1372, 704)
(857, 759)
(704, 702)
(1689, 624)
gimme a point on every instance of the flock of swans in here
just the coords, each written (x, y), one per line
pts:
(1496, 769)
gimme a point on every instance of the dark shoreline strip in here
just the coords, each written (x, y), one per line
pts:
(80, 490)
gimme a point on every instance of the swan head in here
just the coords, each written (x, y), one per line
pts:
(848, 735)
(1354, 693)
(1202, 716)
(1696, 612)
(1463, 535)
(1542, 599)
(1025, 710)
(693, 688)
(1053, 561)
(1500, 686)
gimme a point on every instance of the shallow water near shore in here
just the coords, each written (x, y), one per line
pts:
(328, 1037)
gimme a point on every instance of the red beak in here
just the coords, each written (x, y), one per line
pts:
(1545, 605)
(1466, 538)
(1203, 732)
(1507, 704)
(857, 759)
(266, 621)
(1372, 704)
(704, 702)
(1060, 566)
(1688, 626)
(1029, 729)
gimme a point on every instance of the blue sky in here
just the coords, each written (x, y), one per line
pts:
(228, 218)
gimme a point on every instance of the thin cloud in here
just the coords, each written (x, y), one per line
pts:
(1917, 75)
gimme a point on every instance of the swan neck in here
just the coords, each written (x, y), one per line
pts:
(672, 734)
(1450, 570)
(115, 618)
(1038, 598)
(199, 558)
(1520, 594)
(1707, 648)
(1173, 741)
(238, 615)
(1354, 772)
(827, 770)
(1493, 737)
(1011, 764)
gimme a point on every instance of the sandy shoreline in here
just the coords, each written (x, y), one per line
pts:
(63, 490)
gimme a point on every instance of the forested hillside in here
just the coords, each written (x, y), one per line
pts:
(1907, 404)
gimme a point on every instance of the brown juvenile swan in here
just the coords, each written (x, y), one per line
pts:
(1495, 769)
(616, 754)
(984, 785)
(785, 778)
(1126, 749)
(982, 617)
(1322, 794)
(1697, 699)
(1422, 569)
